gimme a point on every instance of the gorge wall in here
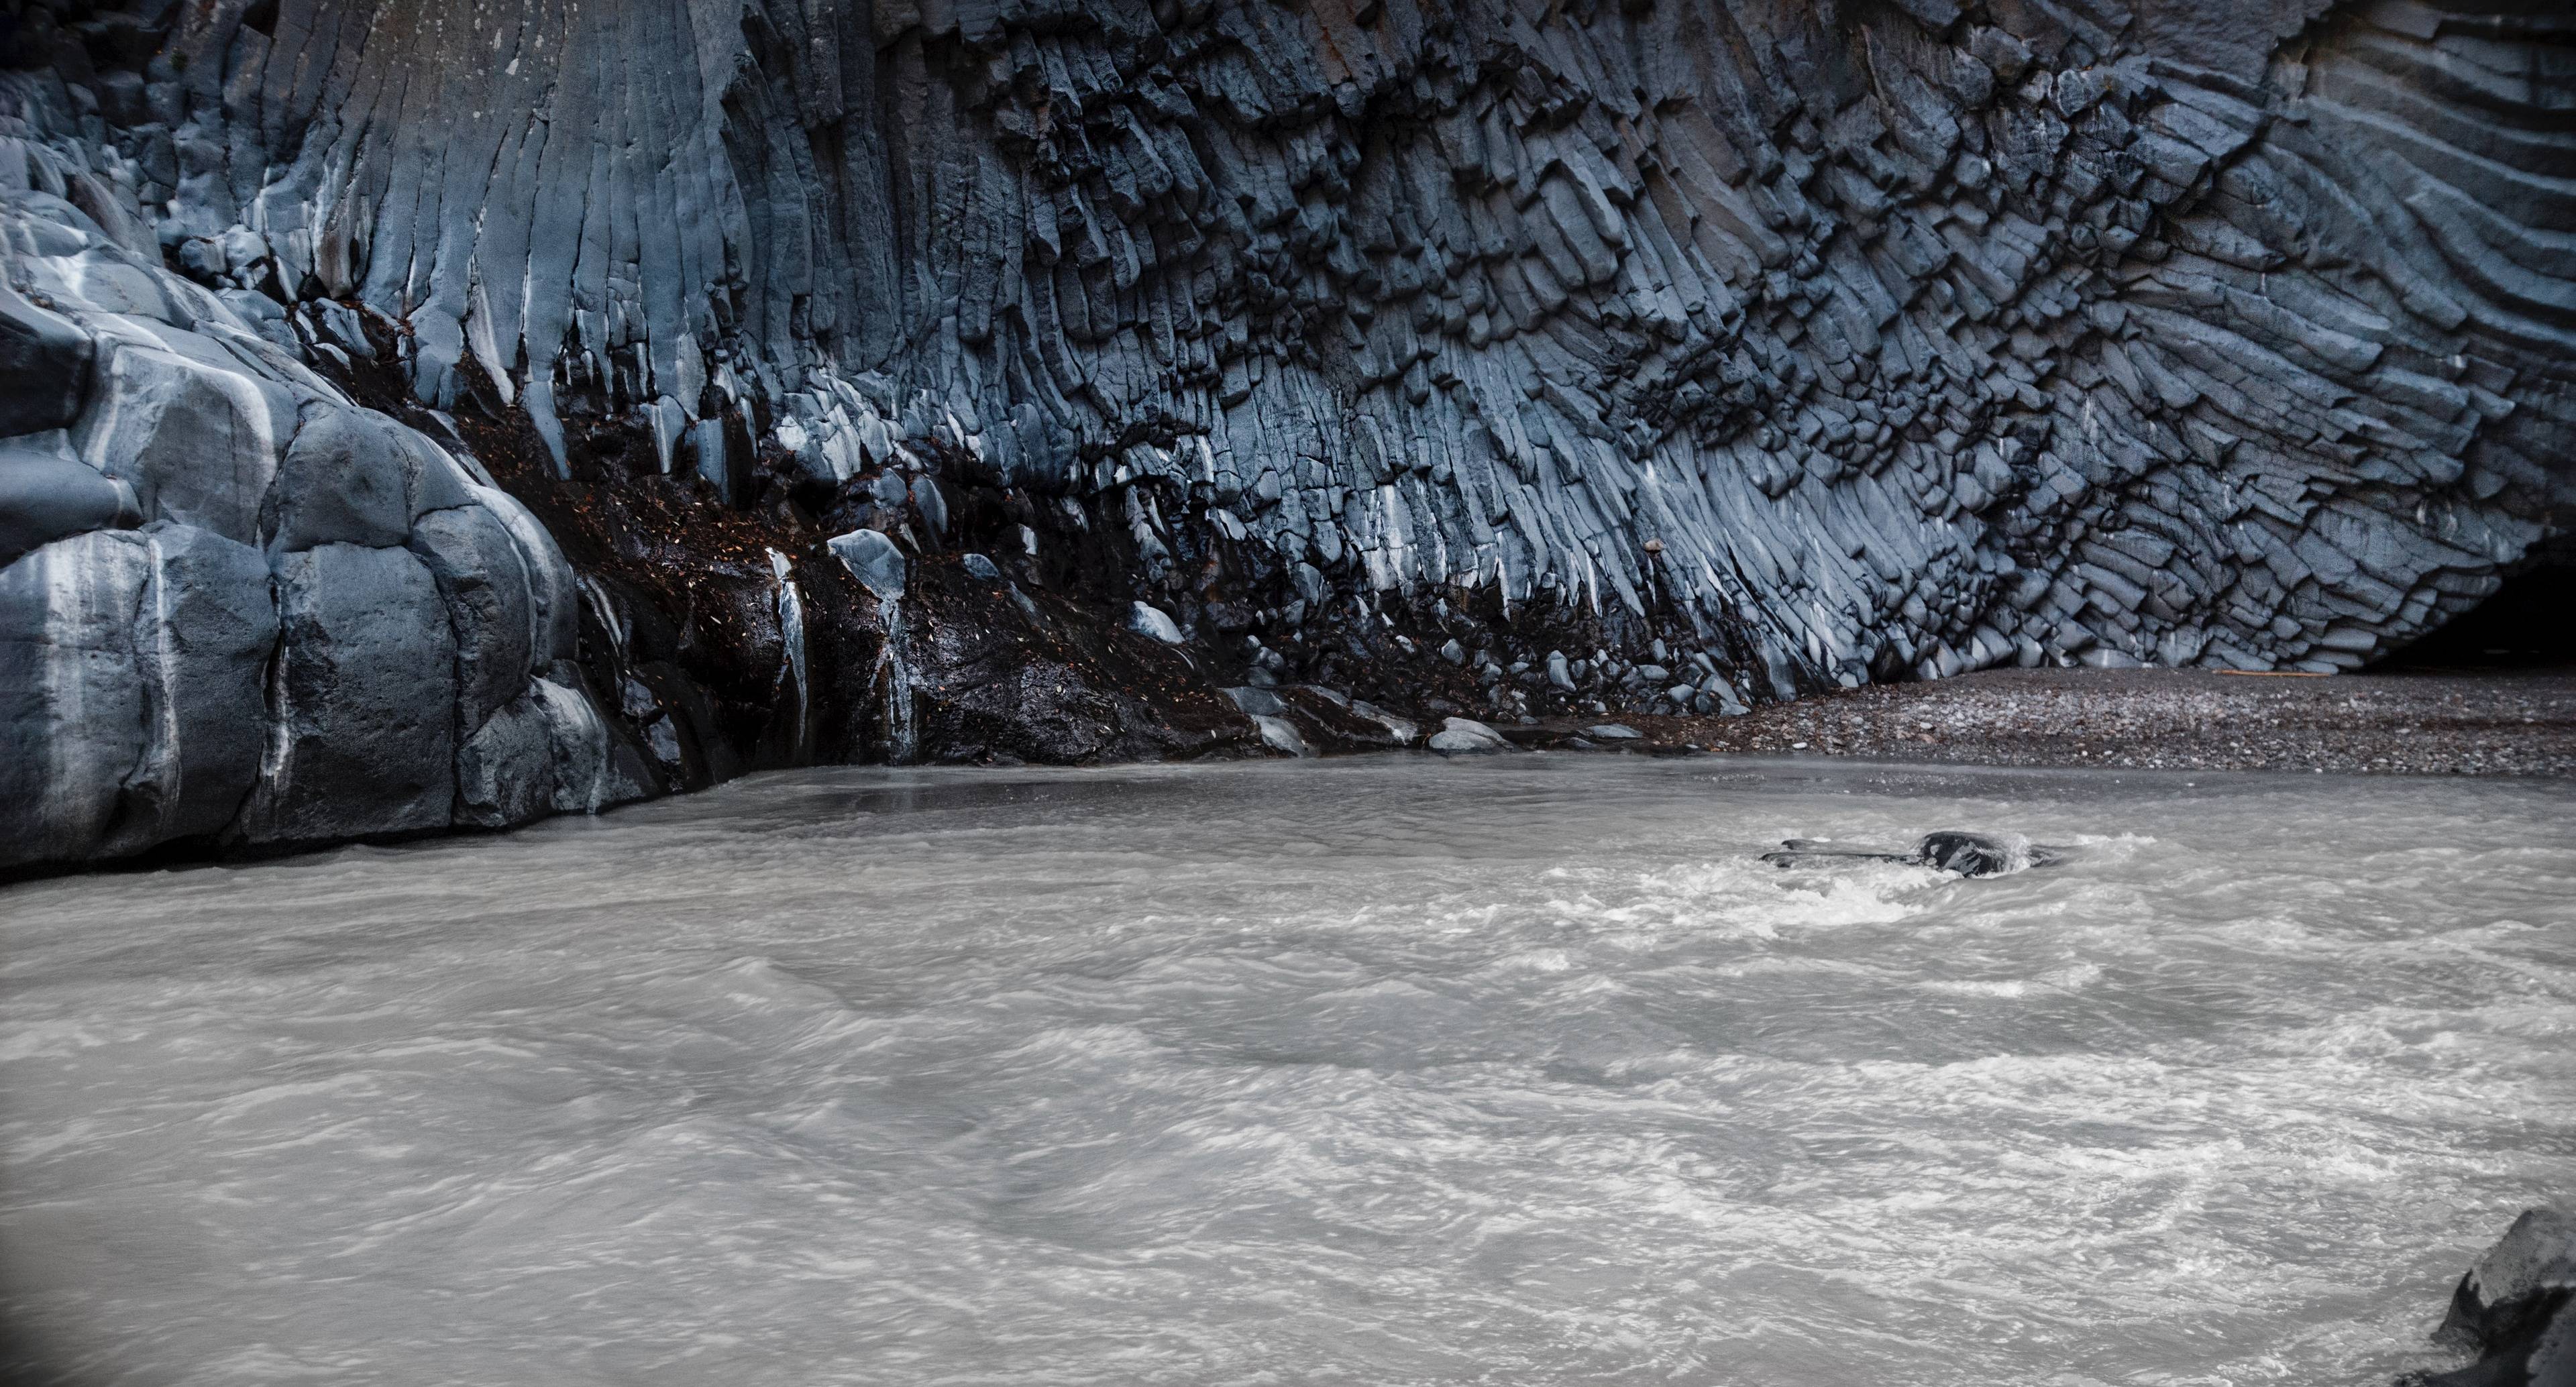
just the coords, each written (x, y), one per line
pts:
(557, 403)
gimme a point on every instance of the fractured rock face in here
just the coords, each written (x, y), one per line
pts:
(1837, 342)
(1497, 356)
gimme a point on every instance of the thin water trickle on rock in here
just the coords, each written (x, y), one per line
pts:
(1387, 1071)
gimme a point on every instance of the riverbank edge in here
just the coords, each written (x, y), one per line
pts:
(2480, 724)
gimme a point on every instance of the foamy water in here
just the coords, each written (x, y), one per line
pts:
(1375, 1072)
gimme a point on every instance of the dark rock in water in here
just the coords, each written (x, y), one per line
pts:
(1976, 855)
(1961, 853)
(2515, 1310)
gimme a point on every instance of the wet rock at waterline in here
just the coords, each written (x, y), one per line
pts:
(1467, 737)
(238, 609)
(2515, 1311)
(1959, 853)
(1495, 361)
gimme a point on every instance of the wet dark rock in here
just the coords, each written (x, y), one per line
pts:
(365, 689)
(44, 367)
(1063, 687)
(1979, 855)
(46, 496)
(1951, 850)
(2514, 1312)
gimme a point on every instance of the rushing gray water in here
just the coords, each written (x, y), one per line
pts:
(1377, 1072)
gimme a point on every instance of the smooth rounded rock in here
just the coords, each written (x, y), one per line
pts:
(44, 366)
(1148, 620)
(45, 497)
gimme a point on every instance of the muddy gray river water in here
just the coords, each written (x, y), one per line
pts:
(1382, 1071)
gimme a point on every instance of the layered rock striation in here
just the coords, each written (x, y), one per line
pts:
(1479, 357)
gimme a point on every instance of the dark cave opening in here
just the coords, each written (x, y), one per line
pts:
(2530, 623)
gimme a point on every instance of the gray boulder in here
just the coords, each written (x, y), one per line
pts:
(484, 583)
(203, 637)
(45, 496)
(1280, 735)
(72, 692)
(874, 561)
(131, 700)
(344, 480)
(323, 627)
(589, 775)
(198, 443)
(1467, 737)
(505, 770)
(1152, 622)
(366, 700)
(44, 366)
(554, 590)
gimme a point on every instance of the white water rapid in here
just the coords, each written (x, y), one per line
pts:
(1382, 1071)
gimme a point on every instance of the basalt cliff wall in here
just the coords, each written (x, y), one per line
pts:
(427, 412)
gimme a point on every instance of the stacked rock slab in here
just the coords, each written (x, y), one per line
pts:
(1918, 336)
(1783, 344)
(235, 608)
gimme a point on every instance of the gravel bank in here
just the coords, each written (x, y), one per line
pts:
(2406, 723)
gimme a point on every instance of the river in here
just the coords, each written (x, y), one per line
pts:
(1377, 1071)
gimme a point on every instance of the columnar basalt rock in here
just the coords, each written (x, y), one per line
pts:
(238, 608)
(1487, 356)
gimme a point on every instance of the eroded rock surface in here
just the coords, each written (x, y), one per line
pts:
(238, 609)
(1483, 358)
